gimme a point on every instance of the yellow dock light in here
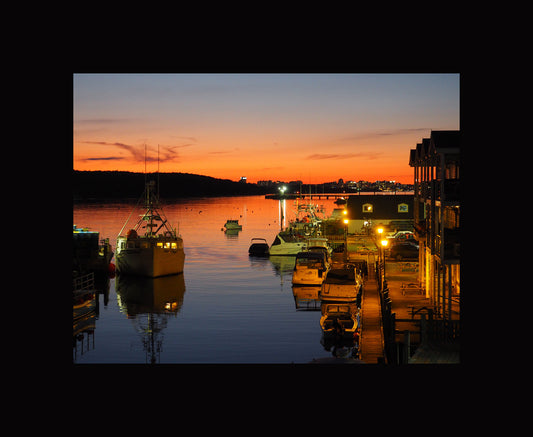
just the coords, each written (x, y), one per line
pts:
(380, 230)
(345, 221)
(384, 243)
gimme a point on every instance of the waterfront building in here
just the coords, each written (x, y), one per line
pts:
(394, 211)
(436, 162)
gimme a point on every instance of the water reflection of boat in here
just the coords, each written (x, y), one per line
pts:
(84, 312)
(283, 264)
(158, 252)
(149, 303)
(306, 297)
(83, 294)
(138, 295)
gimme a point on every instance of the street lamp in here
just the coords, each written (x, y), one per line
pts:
(345, 221)
(384, 244)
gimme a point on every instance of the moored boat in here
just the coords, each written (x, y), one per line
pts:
(258, 247)
(155, 253)
(343, 284)
(90, 254)
(311, 268)
(286, 243)
(232, 225)
(339, 319)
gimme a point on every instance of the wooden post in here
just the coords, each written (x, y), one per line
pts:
(450, 299)
(423, 329)
(406, 346)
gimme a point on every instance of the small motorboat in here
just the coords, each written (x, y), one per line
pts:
(342, 285)
(286, 244)
(259, 247)
(340, 319)
(233, 225)
(311, 268)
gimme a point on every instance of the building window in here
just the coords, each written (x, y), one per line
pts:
(367, 207)
(403, 207)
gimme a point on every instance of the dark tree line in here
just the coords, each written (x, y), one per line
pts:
(121, 184)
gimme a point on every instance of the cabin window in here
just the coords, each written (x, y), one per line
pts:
(160, 244)
(403, 207)
(167, 244)
(145, 244)
(367, 207)
(174, 246)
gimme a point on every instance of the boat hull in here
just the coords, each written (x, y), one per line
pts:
(152, 262)
(287, 248)
(308, 277)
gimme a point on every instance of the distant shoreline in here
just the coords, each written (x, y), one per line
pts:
(121, 185)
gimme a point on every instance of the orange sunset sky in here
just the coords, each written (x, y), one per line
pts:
(310, 127)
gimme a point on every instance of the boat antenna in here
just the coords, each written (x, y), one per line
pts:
(158, 172)
(145, 187)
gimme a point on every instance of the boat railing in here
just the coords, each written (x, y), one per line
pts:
(85, 282)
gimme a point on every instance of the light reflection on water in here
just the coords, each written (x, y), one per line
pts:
(225, 308)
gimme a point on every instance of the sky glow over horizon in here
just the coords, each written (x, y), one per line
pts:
(310, 127)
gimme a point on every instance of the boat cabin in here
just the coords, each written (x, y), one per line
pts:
(134, 241)
(310, 260)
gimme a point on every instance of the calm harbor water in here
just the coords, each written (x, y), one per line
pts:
(227, 307)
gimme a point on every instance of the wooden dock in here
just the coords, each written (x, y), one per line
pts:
(371, 340)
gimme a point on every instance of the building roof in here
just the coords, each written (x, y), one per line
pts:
(445, 139)
(440, 141)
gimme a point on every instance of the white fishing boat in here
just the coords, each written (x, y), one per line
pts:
(286, 243)
(294, 238)
(153, 253)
